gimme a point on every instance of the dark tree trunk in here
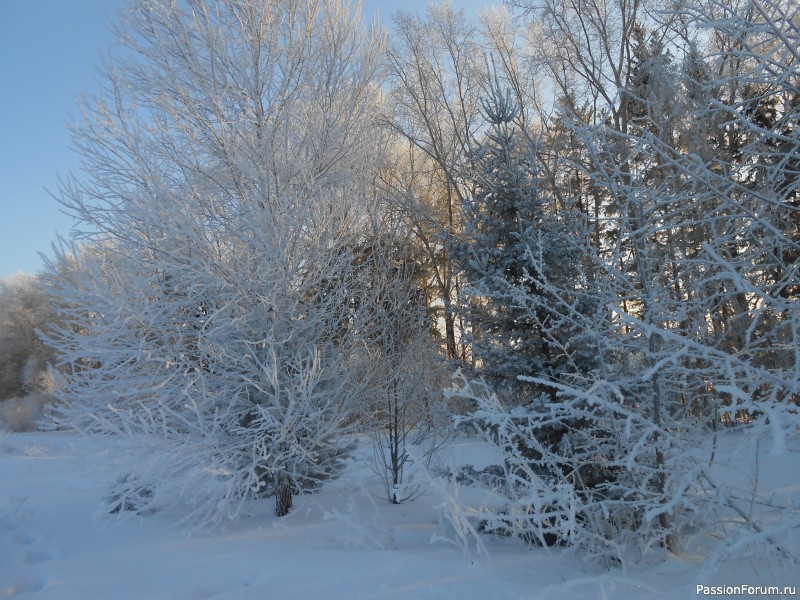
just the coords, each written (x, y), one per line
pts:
(283, 495)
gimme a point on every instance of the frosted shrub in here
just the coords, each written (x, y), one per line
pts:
(579, 472)
(25, 384)
(23, 413)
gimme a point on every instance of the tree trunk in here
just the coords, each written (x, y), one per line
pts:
(283, 495)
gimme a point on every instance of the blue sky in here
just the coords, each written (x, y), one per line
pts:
(48, 53)
(48, 49)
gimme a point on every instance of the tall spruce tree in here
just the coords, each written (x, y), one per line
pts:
(514, 249)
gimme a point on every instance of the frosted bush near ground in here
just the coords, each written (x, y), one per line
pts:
(456, 523)
(407, 410)
(456, 517)
(581, 492)
(616, 520)
(745, 521)
(370, 532)
(25, 384)
(772, 549)
(23, 413)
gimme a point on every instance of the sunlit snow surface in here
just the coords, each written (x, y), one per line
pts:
(55, 542)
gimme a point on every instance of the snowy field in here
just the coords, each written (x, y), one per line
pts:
(342, 543)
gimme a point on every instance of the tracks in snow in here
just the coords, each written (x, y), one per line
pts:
(25, 553)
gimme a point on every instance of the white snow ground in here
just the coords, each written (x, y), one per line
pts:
(55, 543)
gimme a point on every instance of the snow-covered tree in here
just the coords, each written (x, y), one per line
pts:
(514, 246)
(695, 280)
(407, 414)
(25, 385)
(228, 173)
(433, 71)
(438, 75)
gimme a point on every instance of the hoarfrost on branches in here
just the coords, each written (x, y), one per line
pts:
(227, 292)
